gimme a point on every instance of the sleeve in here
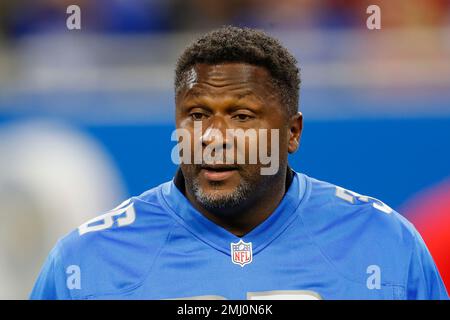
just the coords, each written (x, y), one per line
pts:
(424, 281)
(51, 282)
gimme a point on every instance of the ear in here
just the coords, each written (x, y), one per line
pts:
(295, 131)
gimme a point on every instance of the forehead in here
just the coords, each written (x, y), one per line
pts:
(230, 79)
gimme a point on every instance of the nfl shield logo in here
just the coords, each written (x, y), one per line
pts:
(241, 253)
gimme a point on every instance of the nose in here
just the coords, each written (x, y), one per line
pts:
(214, 135)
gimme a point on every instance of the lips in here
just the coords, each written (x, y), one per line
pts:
(217, 172)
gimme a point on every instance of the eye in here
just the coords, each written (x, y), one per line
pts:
(197, 116)
(242, 117)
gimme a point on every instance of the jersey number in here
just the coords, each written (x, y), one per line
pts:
(351, 197)
(124, 217)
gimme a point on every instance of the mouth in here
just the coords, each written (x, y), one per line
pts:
(218, 172)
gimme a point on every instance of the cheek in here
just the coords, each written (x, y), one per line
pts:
(188, 171)
(277, 138)
(251, 141)
(186, 146)
(182, 122)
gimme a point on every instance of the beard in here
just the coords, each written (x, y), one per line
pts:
(215, 199)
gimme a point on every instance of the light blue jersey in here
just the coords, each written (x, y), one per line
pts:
(322, 242)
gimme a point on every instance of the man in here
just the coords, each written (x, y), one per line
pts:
(233, 229)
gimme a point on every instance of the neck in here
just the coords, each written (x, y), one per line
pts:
(241, 220)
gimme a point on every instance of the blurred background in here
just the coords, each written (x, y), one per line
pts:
(86, 115)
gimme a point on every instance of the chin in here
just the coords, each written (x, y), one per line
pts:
(220, 199)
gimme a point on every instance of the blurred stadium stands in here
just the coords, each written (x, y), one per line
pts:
(76, 107)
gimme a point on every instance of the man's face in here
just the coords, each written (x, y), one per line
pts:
(221, 98)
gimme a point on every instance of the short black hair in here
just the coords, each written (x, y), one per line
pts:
(252, 46)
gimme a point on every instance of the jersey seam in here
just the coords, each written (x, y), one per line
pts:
(294, 217)
(408, 266)
(145, 276)
(332, 264)
(180, 222)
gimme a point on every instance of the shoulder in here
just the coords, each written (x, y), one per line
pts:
(331, 204)
(114, 250)
(355, 231)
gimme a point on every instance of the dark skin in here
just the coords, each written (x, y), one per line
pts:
(232, 96)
